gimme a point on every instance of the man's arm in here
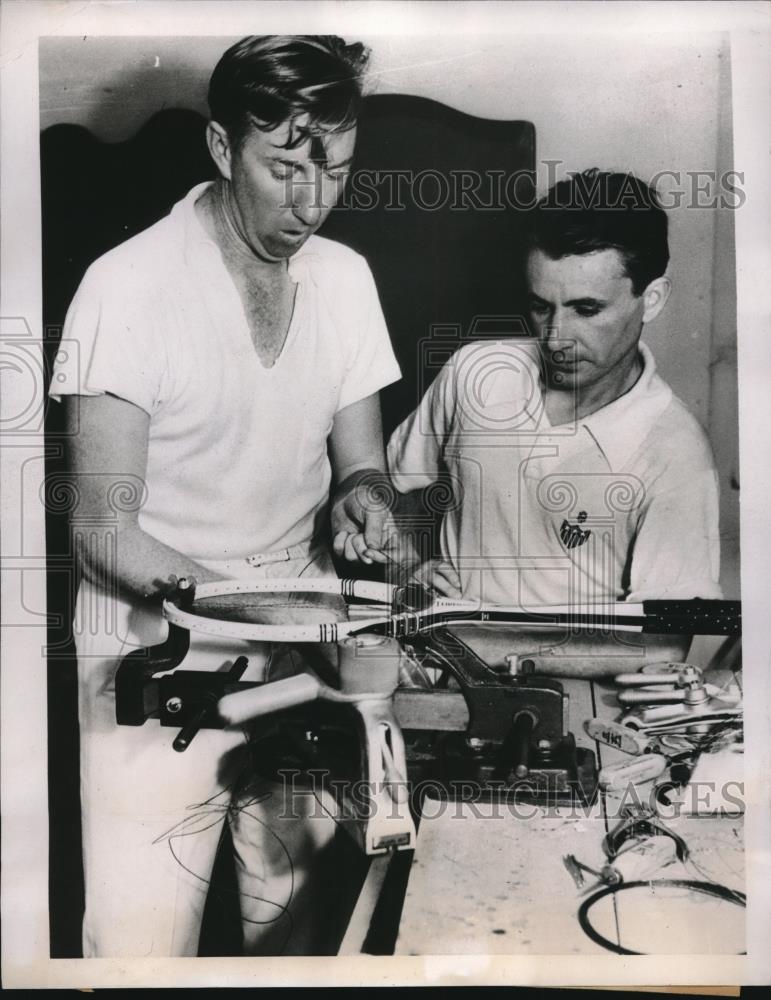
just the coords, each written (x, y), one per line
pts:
(676, 552)
(361, 495)
(108, 444)
(415, 463)
(563, 654)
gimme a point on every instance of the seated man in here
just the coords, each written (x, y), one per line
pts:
(578, 476)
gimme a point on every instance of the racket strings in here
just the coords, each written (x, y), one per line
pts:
(273, 608)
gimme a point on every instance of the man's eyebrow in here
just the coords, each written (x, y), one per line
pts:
(295, 163)
(587, 300)
(342, 163)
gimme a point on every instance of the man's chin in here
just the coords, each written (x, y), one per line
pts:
(563, 378)
(286, 244)
(275, 252)
(279, 247)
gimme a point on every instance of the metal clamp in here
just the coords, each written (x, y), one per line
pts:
(642, 822)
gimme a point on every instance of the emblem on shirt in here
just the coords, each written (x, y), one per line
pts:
(573, 534)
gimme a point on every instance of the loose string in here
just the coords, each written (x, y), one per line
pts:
(216, 812)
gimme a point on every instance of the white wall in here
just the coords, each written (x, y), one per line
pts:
(645, 103)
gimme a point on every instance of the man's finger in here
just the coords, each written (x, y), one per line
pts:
(374, 523)
(443, 587)
(338, 542)
(446, 580)
(349, 551)
(359, 546)
(449, 573)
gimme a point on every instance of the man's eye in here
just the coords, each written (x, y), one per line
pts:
(285, 171)
(336, 175)
(539, 308)
(587, 310)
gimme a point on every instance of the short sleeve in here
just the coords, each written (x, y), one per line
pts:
(372, 364)
(676, 552)
(415, 450)
(112, 342)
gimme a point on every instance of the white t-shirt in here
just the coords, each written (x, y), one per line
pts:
(237, 459)
(621, 505)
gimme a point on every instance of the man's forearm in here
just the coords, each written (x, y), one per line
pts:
(558, 654)
(369, 483)
(588, 659)
(142, 568)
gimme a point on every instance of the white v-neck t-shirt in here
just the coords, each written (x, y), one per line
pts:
(619, 505)
(237, 456)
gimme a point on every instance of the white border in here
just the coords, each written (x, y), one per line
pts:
(24, 902)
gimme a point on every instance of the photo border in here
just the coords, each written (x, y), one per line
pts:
(26, 960)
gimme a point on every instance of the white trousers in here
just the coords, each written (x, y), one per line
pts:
(152, 817)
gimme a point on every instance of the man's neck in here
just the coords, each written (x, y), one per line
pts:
(215, 212)
(566, 405)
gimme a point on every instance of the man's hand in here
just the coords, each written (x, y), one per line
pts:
(364, 495)
(439, 575)
(359, 513)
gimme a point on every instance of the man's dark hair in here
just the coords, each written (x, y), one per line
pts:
(596, 210)
(265, 80)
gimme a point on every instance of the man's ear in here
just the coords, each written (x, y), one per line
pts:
(218, 141)
(655, 297)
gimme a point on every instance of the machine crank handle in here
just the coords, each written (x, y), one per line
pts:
(241, 706)
(369, 667)
(209, 702)
(521, 742)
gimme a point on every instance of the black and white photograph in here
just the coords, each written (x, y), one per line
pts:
(385, 486)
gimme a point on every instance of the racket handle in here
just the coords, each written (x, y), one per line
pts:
(695, 617)
(273, 697)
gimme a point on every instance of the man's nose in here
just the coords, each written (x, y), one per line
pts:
(307, 205)
(308, 214)
(557, 333)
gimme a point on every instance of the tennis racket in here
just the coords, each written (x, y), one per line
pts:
(414, 609)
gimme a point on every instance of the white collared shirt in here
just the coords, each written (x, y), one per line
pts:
(237, 457)
(619, 505)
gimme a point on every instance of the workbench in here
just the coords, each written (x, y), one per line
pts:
(490, 879)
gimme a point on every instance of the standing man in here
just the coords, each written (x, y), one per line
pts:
(579, 477)
(226, 380)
